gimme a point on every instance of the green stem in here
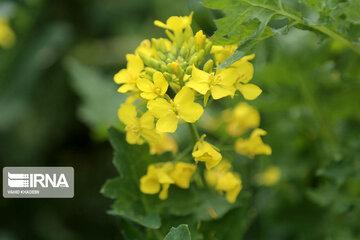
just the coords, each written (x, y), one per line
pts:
(194, 132)
(183, 153)
(321, 28)
(337, 37)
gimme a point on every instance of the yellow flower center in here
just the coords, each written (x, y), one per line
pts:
(175, 108)
(157, 90)
(214, 80)
(132, 128)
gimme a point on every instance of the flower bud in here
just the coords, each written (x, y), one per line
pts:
(200, 56)
(208, 46)
(150, 70)
(208, 66)
(183, 51)
(161, 56)
(193, 59)
(199, 39)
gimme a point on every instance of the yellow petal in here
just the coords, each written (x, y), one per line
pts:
(248, 57)
(190, 112)
(165, 144)
(245, 70)
(218, 91)
(159, 24)
(160, 83)
(126, 87)
(253, 145)
(228, 76)
(184, 96)
(149, 185)
(159, 107)
(249, 91)
(147, 121)
(134, 138)
(200, 87)
(148, 95)
(205, 152)
(271, 176)
(211, 178)
(164, 192)
(232, 194)
(7, 35)
(198, 75)
(144, 85)
(182, 174)
(127, 114)
(227, 182)
(167, 123)
(243, 118)
(122, 76)
(135, 65)
(150, 135)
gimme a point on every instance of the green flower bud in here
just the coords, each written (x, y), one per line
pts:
(208, 66)
(183, 51)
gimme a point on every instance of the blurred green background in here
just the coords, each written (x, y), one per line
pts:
(57, 99)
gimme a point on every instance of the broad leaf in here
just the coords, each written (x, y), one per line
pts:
(99, 99)
(179, 233)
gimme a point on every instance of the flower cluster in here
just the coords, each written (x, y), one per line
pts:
(224, 180)
(170, 81)
(161, 175)
(239, 121)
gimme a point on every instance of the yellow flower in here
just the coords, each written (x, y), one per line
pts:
(152, 90)
(242, 118)
(7, 36)
(157, 176)
(220, 84)
(146, 49)
(199, 39)
(253, 145)
(161, 175)
(168, 113)
(137, 129)
(245, 69)
(206, 152)
(245, 72)
(176, 24)
(223, 180)
(270, 176)
(128, 76)
(165, 144)
(221, 53)
(182, 174)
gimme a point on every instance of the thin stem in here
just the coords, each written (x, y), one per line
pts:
(193, 131)
(337, 37)
(183, 153)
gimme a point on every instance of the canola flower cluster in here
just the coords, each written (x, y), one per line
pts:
(164, 80)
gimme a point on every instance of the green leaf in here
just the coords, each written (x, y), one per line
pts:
(246, 22)
(131, 162)
(179, 233)
(212, 206)
(352, 11)
(130, 231)
(181, 202)
(100, 100)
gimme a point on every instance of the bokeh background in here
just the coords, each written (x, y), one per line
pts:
(57, 99)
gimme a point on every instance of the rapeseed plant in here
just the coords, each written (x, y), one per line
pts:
(170, 77)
